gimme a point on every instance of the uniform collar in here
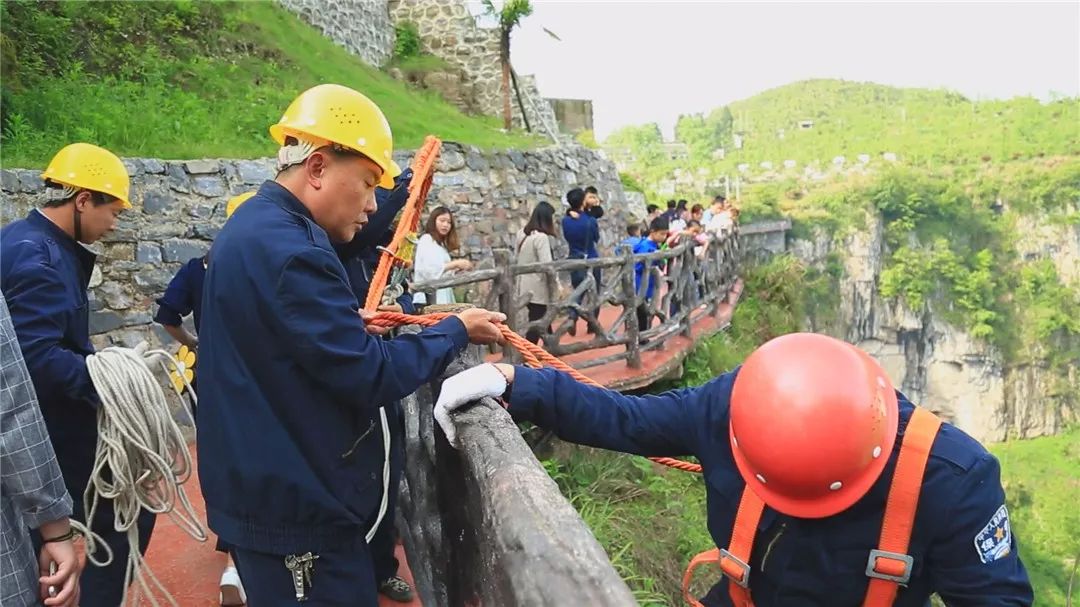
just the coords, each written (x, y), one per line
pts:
(285, 199)
(87, 258)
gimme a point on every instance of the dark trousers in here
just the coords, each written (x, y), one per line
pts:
(384, 541)
(338, 578)
(536, 312)
(577, 277)
(644, 318)
(104, 586)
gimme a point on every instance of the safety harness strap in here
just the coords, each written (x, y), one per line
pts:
(890, 565)
(734, 562)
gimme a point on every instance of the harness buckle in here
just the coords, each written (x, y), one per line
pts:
(889, 569)
(742, 569)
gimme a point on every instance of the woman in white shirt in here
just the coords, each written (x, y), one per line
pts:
(534, 246)
(433, 255)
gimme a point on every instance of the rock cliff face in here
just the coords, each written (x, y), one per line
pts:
(937, 364)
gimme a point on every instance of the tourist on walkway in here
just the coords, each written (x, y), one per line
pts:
(658, 233)
(32, 492)
(294, 456)
(533, 245)
(593, 202)
(848, 490)
(633, 236)
(651, 212)
(433, 259)
(581, 233)
(44, 273)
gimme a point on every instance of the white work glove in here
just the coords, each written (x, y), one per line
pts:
(466, 387)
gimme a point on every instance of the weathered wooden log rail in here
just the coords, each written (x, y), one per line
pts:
(689, 282)
(486, 525)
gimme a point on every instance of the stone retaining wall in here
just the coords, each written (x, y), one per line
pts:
(180, 207)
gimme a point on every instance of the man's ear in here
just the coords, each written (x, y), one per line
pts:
(83, 200)
(316, 166)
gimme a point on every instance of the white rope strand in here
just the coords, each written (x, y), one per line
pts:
(143, 448)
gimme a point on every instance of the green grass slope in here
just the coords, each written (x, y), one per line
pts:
(182, 79)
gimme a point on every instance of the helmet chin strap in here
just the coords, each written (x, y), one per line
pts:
(76, 215)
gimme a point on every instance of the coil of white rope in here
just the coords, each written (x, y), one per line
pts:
(143, 449)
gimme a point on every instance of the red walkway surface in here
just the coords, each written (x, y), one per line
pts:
(657, 362)
(191, 570)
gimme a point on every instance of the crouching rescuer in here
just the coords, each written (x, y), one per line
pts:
(825, 485)
(293, 444)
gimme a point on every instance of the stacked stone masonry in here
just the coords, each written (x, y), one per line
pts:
(362, 27)
(448, 31)
(180, 208)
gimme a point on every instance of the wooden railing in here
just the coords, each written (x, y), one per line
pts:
(486, 525)
(689, 283)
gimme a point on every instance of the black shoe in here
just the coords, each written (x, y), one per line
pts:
(396, 589)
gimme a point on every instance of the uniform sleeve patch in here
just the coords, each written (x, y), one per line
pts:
(995, 539)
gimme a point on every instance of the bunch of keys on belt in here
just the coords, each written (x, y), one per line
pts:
(301, 568)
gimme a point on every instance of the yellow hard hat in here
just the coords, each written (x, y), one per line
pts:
(331, 113)
(235, 202)
(82, 165)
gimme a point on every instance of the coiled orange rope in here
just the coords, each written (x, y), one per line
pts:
(534, 356)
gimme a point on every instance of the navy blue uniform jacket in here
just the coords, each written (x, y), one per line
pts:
(44, 274)
(802, 562)
(290, 448)
(183, 296)
(581, 234)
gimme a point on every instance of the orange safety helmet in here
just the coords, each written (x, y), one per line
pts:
(813, 421)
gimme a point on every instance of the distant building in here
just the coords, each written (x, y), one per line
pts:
(573, 115)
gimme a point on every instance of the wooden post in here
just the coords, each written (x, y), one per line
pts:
(686, 306)
(633, 348)
(504, 285)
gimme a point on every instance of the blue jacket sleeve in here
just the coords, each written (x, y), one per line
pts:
(173, 305)
(318, 314)
(665, 424)
(969, 563)
(40, 310)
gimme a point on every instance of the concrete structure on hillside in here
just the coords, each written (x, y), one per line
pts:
(573, 115)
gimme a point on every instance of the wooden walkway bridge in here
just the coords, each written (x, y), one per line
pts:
(485, 525)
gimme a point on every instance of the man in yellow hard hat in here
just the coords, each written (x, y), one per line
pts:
(293, 444)
(44, 273)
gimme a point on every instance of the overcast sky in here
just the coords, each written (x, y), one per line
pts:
(651, 61)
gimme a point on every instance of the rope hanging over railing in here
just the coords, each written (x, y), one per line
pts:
(533, 355)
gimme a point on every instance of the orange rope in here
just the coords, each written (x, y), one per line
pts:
(423, 166)
(534, 356)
